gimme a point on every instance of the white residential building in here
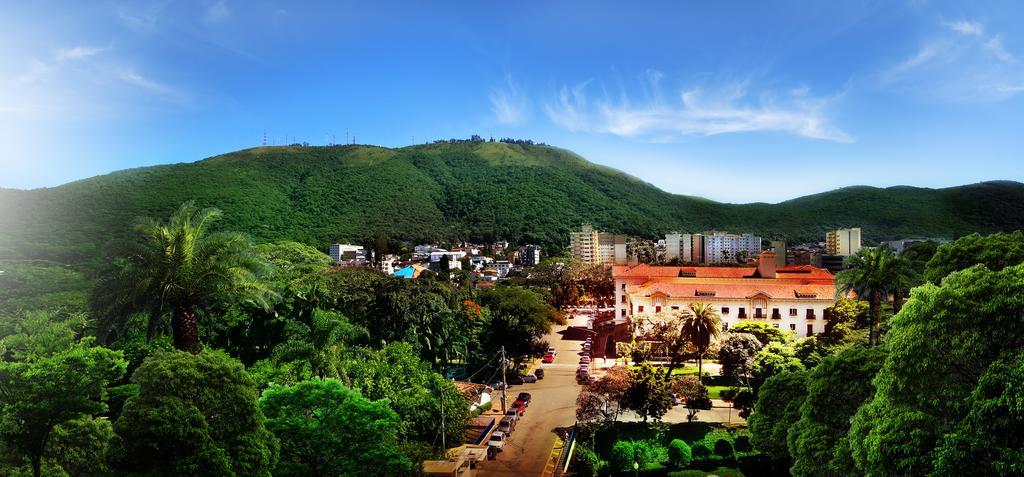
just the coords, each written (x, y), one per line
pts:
(842, 242)
(726, 247)
(347, 253)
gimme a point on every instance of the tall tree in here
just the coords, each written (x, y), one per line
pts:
(871, 275)
(737, 355)
(995, 251)
(194, 414)
(43, 386)
(326, 429)
(649, 392)
(176, 269)
(701, 326)
(778, 407)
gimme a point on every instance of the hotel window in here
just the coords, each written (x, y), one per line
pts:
(623, 298)
(675, 307)
(810, 313)
(792, 326)
(793, 312)
(623, 287)
(623, 312)
(725, 310)
(743, 312)
(640, 308)
(758, 313)
(775, 313)
(810, 330)
(657, 309)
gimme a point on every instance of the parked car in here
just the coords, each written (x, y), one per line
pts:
(515, 379)
(498, 385)
(497, 440)
(515, 412)
(524, 396)
(530, 378)
(552, 351)
(540, 373)
(583, 377)
(521, 403)
(507, 425)
(585, 359)
(585, 366)
(548, 358)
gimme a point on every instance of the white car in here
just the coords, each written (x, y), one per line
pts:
(551, 350)
(585, 367)
(497, 440)
(585, 359)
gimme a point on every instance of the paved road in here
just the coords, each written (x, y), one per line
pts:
(554, 406)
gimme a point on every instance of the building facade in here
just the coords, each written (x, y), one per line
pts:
(529, 255)
(347, 253)
(790, 298)
(843, 242)
(726, 247)
(583, 244)
(679, 245)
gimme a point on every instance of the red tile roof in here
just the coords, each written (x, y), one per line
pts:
(732, 289)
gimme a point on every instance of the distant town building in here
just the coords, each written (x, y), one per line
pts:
(346, 253)
(779, 247)
(726, 247)
(529, 255)
(502, 267)
(842, 242)
(679, 245)
(593, 247)
(900, 245)
(833, 263)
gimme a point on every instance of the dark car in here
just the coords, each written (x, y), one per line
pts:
(524, 396)
(540, 373)
(515, 379)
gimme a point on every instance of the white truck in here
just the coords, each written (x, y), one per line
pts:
(497, 440)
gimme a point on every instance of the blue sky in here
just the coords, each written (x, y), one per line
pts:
(734, 101)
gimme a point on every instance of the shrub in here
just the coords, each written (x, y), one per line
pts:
(729, 393)
(724, 448)
(621, 458)
(648, 452)
(587, 463)
(679, 453)
(701, 450)
(743, 444)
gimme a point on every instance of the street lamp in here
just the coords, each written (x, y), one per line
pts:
(636, 468)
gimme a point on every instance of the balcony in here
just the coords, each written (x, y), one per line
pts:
(758, 314)
(776, 316)
(742, 315)
(810, 315)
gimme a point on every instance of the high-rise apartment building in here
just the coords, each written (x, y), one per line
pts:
(842, 242)
(679, 245)
(584, 244)
(726, 247)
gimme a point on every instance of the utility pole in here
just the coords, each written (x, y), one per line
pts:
(444, 448)
(504, 381)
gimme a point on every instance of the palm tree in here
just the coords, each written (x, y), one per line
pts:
(176, 270)
(904, 277)
(701, 326)
(873, 273)
(319, 344)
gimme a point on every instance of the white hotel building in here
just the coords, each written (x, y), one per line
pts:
(790, 298)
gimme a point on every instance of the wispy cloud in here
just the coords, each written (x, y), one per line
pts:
(960, 62)
(77, 53)
(966, 28)
(509, 103)
(216, 11)
(698, 112)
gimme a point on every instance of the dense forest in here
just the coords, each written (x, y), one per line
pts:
(458, 190)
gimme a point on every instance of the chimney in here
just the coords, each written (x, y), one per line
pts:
(766, 264)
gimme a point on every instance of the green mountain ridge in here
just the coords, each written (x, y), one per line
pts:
(465, 190)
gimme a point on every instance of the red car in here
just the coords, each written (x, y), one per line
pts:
(548, 358)
(520, 403)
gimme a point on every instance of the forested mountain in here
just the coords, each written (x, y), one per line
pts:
(465, 190)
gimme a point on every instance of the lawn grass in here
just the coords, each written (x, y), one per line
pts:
(715, 391)
(720, 472)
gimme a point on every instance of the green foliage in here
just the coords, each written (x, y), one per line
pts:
(36, 285)
(412, 389)
(736, 354)
(643, 452)
(836, 388)
(940, 344)
(679, 453)
(996, 251)
(51, 384)
(988, 439)
(774, 359)
(723, 448)
(194, 415)
(764, 332)
(174, 269)
(317, 347)
(326, 429)
(518, 317)
(777, 408)
(874, 273)
(649, 392)
(702, 450)
(586, 462)
(743, 444)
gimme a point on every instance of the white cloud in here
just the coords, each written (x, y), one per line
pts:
(77, 53)
(959, 63)
(966, 28)
(697, 113)
(133, 77)
(509, 103)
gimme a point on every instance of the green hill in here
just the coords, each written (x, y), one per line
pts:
(466, 190)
